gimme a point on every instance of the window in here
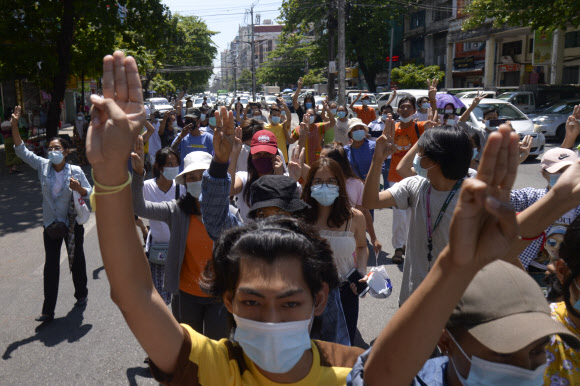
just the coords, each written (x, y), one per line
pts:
(269, 45)
(511, 48)
(417, 20)
(570, 75)
(443, 10)
(417, 48)
(471, 46)
(531, 48)
(572, 39)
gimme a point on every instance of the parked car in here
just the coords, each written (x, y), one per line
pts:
(268, 100)
(384, 98)
(159, 104)
(197, 103)
(473, 94)
(288, 99)
(552, 120)
(524, 100)
(519, 121)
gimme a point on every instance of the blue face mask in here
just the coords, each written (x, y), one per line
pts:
(283, 113)
(421, 171)
(170, 173)
(384, 117)
(275, 120)
(212, 121)
(342, 114)
(365, 102)
(308, 105)
(484, 372)
(202, 117)
(333, 111)
(274, 347)
(324, 194)
(55, 157)
(554, 178)
(359, 135)
(451, 122)
(425, 105)
(474, 153)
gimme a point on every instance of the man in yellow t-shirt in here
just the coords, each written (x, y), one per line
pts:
(280, 130)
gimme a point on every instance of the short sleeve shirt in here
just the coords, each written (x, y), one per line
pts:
(405, 138)
(189, 144)
(278, 131)
(367, 115)
(341, 132)
(360, 159)
(412, 193)
(563, 360)
(203, 361)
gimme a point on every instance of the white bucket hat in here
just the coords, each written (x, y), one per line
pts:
(197, 160)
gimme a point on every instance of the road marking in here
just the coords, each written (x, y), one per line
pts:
(63, 253)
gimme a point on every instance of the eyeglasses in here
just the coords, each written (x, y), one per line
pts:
(331, 182)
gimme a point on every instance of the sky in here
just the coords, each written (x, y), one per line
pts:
(225, 16)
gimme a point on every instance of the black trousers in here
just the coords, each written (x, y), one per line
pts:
(52, 269)
(350, 307)
(204, 315)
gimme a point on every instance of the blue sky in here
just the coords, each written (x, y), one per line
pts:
(224, 16)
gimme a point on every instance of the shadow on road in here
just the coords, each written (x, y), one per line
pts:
(69, 328)
(133, 372)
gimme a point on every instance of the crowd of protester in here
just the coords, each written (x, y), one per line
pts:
(256, 256)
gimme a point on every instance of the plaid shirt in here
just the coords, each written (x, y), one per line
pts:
(522, 199)
(217, 218)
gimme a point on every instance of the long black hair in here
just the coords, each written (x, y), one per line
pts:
(161, 160)
(570, 254)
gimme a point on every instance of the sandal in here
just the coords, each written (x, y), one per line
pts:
(398, 256)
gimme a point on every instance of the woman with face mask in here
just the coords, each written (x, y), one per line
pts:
(273, 276)
(161, 188)
(342, 225)
(189, 247)
(360, 151)
(279, 128)
(58, 179)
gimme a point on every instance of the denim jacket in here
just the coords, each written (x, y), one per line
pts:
(53, 209)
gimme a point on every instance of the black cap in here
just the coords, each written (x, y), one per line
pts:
(193, 113)
(279, 191)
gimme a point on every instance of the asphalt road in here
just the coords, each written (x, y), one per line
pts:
(93, 345)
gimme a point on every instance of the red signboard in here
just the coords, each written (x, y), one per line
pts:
(509, 67)
(395, 58)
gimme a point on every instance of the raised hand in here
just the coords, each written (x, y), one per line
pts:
(477, 99)
(138, 156)
(117, 119)
(573, 124)
(238, 144)
(15, 116)
(295, 166)
(524, 148)
(484, 223)
(224, 135)
(300, 83)
(432, 86)
(278, 165)
(385, 145)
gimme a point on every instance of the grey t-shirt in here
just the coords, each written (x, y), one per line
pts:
(412, 193)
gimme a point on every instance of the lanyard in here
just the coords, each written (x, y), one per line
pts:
(439, 216)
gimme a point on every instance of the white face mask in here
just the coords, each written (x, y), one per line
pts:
(170, 172)
(484, 372)
(451, 122)
(274, 347)
(194, 188)
(406, 120)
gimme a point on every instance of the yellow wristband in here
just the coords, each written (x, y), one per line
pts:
(106, 190)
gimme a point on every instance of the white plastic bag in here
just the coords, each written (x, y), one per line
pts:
(379, 283)
(83, 211)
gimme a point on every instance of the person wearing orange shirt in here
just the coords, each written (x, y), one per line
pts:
(364, 113)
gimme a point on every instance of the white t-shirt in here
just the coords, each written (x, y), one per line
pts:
(341, 132)
(354, 190)
(412, 193)
(420, 116)
(154, 142)
(159, 230)
(58, 183)
(241, 203)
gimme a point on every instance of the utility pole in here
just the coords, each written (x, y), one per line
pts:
(235, 81)
(331, 49)
(253, 54)
(341, 52)
(391, 54)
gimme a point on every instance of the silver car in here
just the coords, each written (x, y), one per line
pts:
(519, 121)
(552, 121)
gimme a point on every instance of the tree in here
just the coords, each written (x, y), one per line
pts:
(538, 14)
(367, 30)
(58, 38)
(315, 76)
(162, 86)
(413, 76)
(287, 62)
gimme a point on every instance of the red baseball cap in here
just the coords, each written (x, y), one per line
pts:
(264, 140)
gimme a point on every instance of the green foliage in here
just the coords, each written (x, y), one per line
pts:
(315, 76)
(287, 62)
(413, 76)
(367, 31)
(537, 14)
(162, 86)
(245, 80)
